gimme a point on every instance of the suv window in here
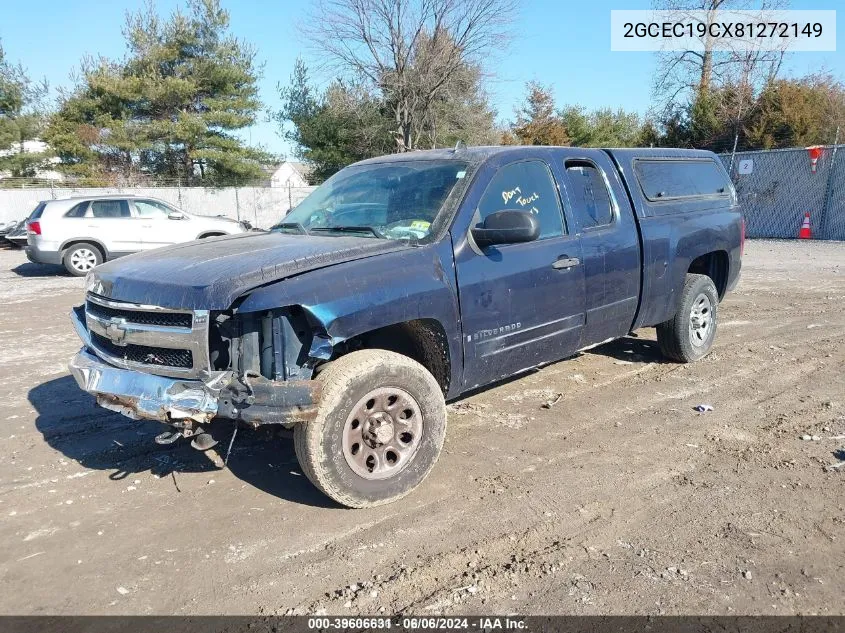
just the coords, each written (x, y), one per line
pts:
(110, 209)
(525, 186)
(151, 209)
(663, 179)
(591, 200)
(37, 211)
(77, 210)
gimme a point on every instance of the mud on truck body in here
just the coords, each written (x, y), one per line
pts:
(406, 281)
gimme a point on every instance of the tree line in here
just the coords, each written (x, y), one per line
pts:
(408, 74)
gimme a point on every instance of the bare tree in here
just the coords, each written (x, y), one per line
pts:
(691, 74)
(411, 50)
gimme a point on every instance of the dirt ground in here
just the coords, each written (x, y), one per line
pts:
(620, 499)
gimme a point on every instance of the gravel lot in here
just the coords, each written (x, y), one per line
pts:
(620, 499)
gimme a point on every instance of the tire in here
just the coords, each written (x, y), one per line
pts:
(412, 428)
(81, 258)
(689, 335)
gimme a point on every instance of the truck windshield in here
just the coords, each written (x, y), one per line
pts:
(397, 200)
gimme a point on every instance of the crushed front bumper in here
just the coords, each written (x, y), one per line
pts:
(144, 396)
(254, 400)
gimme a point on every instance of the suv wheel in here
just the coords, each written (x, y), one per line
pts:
(689, 335)
(81, 258)
(378, 431)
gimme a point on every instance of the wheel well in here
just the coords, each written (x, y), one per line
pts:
(94, 243)
(423, 340)
(714, 265)
(210, 234)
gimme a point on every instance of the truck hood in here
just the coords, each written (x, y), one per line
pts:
(210, 274)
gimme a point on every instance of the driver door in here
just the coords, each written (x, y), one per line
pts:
(522, 305)
(156, 227)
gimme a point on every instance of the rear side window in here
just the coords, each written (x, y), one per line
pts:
(77, 211)
(668, 179)
(592, 204)
(37, 211)
(528, 187)
(110, 209)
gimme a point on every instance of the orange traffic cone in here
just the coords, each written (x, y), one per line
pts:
(804, 233)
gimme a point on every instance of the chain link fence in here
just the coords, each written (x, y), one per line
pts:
(260, 206)
(777, 187)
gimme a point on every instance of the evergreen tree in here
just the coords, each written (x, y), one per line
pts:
(332, 129)
(21, 120)
(171, 109)
(537, 122)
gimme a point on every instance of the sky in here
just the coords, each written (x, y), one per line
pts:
(564, 44)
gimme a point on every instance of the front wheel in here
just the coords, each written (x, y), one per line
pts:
(689, 335)
(378, 432)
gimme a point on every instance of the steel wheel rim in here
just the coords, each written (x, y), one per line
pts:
(700, 320)
(83, 259)
(383, 433)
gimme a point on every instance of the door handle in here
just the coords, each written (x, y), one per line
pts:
(566, 262)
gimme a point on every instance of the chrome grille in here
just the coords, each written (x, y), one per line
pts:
(148, 338)
(167, 319)
(143, 354)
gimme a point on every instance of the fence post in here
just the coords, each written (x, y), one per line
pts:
(733, 155)
(179, 192)
(237, 204)
(828, 192)
(255, 205)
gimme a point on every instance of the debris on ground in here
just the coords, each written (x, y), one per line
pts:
(703, 408)
(548, 404)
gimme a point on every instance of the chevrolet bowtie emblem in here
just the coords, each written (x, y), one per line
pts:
(115, 330)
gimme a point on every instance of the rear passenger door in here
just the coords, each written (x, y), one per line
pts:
(522, 304)
(111, 222)
(609, 245)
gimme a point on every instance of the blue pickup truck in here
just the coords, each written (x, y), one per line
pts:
(405, 281)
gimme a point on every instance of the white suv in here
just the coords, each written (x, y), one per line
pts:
(84, 232)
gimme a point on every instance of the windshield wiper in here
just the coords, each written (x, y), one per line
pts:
(292, 225)
(351, 229)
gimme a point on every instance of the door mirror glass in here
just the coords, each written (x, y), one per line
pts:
(176, 215)
(506, 227)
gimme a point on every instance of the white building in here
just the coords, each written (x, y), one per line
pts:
(35, 147)
(290, 174)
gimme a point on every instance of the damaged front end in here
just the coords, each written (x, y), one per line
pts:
(186, 367)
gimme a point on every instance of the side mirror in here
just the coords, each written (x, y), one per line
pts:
(176, 215)
(506, 227)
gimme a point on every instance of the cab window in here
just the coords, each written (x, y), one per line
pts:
(591, 200)
(526, 186)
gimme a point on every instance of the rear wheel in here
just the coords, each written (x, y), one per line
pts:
(81, 258)
(689, 335)
(378, 432)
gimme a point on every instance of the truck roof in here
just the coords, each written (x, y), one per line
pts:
(478, 154)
